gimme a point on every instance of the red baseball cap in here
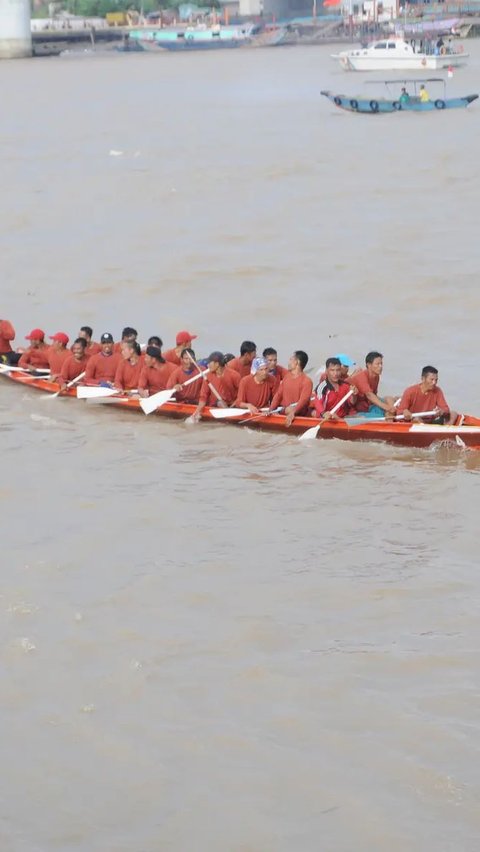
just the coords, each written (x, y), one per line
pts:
(184, 337)
(61, 337)
(35, 334)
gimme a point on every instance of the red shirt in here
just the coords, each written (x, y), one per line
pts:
(127, 374)
(71, 368)
(365, 383)
(92, 349)
(35, 358)
(56, 360)
(7, 333)
(416, 400)
(191, 392)
(239, 367)
(255, 393)
(328, 400)
(155, 379)
(294, 389)
(171, 356)
(278, 376)
(101, 368)
(226, 385)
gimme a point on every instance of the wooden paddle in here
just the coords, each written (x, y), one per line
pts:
(313, 432)
(151, 403)
(95, 391)
(69, 385)
(35, 371)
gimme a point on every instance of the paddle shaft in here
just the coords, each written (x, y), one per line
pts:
(69, 385)
(313, 432)
(212, 388)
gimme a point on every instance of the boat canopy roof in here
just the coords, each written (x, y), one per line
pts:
(409, 80)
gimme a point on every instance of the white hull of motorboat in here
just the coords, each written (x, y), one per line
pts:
(396, 55)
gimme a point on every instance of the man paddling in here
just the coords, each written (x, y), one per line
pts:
(92, 348)
(36, 356)
(427, 396)
(75, 363)
(243, 364)
(102, 366)
(183, 341)
(155, 372)
(129, 335)
(332, 392)
(225, 382)
(129, 367)
(181, 374)
(7, 334)
(256, 390)
(275, 370)
(366, 382)
(295, 390)
(57, 354)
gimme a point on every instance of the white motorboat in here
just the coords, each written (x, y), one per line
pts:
(395, 54)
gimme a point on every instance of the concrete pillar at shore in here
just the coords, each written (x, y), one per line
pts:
(15, 33)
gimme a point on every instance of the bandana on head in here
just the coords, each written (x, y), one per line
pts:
(257, 364)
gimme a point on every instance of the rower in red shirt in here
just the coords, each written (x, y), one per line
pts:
(242, 364)
(295, 390)
(75, 363)
(155, 372)
(332, 392)
(36, 356)
(223, 379)
(103, 366)
(256, 390)
(7, 334)
(57, 354)
(367, 381)
(426, 396)
(183, 341)
(129, 335)
(92, 348)
(276, 371)
(183, 373)
(129, 367)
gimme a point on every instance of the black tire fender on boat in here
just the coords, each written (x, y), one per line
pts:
(337, 100)
(374, 106)
(396, 105)
(354, 103)
(439, 104)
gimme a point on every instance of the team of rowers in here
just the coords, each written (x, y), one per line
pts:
(247, 381)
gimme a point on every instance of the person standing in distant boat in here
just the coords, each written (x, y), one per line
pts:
(404, 96)
(427, 396)
(423, 95)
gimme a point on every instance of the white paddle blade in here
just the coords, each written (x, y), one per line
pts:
(310, 433)
(86, 392)
(225, 413)
(151, 403)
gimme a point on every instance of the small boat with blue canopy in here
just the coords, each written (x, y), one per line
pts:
(408, 95)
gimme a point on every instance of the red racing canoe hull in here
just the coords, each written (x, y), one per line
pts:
(403, 434)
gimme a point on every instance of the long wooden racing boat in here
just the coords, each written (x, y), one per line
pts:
(466, 433)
